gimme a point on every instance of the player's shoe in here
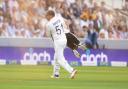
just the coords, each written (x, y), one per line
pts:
(73, 74)
(55, 76)
(82, 46)
(76, 53)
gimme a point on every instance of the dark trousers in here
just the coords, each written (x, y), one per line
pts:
(72, 41)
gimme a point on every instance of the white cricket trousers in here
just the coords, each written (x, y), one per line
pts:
(59, 59)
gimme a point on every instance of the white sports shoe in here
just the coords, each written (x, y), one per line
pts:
(82, 46)
(74, 72)
(76, 53)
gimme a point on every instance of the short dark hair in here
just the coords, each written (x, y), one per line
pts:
(51, 12)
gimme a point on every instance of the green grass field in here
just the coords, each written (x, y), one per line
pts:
(38, 77)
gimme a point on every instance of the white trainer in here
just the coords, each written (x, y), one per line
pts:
(76, 53)
(82, 46)
(73, 74)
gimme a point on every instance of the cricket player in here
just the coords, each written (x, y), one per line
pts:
(56, 28)
(72, 41)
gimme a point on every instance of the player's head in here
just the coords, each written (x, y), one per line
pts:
(50, 14)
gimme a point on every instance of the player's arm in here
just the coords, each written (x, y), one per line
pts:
(47, 31)
(65, 24)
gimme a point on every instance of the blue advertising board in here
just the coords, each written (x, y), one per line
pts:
(28, 55)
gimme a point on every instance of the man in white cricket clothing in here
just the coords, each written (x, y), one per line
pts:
(56, 27)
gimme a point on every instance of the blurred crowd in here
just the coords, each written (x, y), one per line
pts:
(26, 18)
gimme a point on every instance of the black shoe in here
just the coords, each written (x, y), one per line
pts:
(55, 76)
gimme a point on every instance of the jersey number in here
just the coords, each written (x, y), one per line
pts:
(59, 29)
